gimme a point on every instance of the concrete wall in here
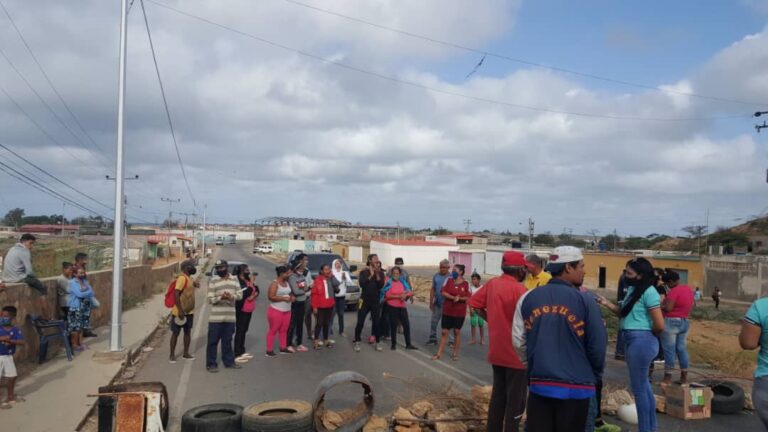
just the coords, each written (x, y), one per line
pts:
(739, 277)
(356, 254)
(614, 265)
(139, 283)
(412, 255)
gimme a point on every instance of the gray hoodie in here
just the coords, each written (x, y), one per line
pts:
(299, 286)
(17, 264)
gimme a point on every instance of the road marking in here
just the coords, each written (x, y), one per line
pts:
(431, 367)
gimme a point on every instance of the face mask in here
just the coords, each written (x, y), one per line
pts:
(192, 271)
(221, 273)
(396, 277)
(246, 275)
(81, 277)
(454, 274)
(5, 321)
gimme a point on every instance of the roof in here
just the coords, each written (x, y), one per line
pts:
(48, 227)
(412, 242)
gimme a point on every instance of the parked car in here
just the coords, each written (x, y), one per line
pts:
(219, 241)
(318, 259)
(263, 249)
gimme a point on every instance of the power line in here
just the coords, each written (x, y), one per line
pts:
(437, 90)
(519, 60)
(47, 106)
(50, 83)
(54, 177)
(165, 104)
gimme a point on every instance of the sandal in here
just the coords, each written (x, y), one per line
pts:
(455, 357)
(6, 405)
(436, 357)
(18, 399)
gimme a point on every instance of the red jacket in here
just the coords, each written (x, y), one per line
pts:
(499, 297)
(322, 294)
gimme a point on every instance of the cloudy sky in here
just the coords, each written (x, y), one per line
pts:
(298, 112)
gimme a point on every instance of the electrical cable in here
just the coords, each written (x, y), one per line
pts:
(50, 83)
(437, 90)
(519, 60)
(165, 104)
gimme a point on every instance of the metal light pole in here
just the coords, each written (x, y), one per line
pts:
(115, 333)
(170, 218)
(205, 209)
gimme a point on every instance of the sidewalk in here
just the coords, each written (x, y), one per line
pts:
(56, 392)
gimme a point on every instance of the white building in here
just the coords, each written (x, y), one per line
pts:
(413, 252)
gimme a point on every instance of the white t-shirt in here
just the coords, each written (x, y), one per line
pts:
(473, 289)
(282, 290)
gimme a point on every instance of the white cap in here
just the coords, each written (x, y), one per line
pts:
(565, 254)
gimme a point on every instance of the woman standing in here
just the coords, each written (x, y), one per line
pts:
(641, 321)
(244, 310)
(754, 334)
(340, 278)
(394, 294)
(323, 303)
(677, 306)
(279, 311)
(456, 295)
(475, 320)
(80, 295)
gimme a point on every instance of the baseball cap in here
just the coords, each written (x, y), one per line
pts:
(565, 254)
(220, 263)
(514, 259)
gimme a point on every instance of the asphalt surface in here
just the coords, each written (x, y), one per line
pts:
(397, 376)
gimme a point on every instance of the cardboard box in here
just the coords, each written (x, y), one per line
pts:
(688, 402)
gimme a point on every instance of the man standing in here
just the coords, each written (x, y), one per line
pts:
(17, 268)
(183, 309)
(436, 299)
(537, 276)
(62, 288)
(371, 281)
(223, 292)
(496, 302)
(559, 332)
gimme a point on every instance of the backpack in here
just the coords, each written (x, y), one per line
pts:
(170, 293)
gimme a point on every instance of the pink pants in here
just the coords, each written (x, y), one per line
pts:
(278, 324)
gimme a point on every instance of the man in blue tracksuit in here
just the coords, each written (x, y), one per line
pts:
(559, 332)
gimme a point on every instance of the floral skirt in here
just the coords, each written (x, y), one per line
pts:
(79, 319)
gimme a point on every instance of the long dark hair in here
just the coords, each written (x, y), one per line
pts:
(645, 270)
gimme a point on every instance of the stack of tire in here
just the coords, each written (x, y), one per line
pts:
(285, 415)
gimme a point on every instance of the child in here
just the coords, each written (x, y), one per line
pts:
(477, 322)
(10, 338)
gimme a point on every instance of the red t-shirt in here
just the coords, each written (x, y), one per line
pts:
(682, 295)
(499, 297)
(396, 288)
(450, 307)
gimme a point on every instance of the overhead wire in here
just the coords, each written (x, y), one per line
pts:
(519, 60)
(439, 90)
(50, 83)
(45, 103)
(165, 104)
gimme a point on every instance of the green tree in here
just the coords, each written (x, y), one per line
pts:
(545, 239)
(611, 242)
(14, 217)
(440, 231)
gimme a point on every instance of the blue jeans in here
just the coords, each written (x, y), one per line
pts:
(220, 332)
(437, 314)
(642, 348)
(673, 340)
(760, 399)
(621, 345)
(341, 306)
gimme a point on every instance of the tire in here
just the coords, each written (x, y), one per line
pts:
(284, 415)
(212, 418)
(728, 396)
(155, 387)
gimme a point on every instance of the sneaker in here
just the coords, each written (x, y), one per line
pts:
(188, 357)
(241, 359)
(411, 347)
(270, 354)
(330, 341)
(285, 351)
(319, 343)
(357, 347)
(234, 366)
(212, 369)
(372, 340)
(290, 350)
(172, 360)
(302, 348)
(329, 344)
(379, 348)
(247, 355)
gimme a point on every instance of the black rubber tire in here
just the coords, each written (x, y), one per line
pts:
(212, 418)
(156, 387)
(728, 396)
(293, 416)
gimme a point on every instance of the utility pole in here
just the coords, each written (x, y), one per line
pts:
(615, 239)
(205, 209)
(467, 224)
(170, 217)
(398, 232)
(706, 239)
(115, 333)
(530, 234)
(762, 126)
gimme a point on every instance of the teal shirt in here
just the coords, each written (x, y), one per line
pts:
(639, 318)
(758, 315)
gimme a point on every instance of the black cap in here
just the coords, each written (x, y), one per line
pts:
(221, 263)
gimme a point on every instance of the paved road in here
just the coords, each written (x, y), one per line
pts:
(296, 376)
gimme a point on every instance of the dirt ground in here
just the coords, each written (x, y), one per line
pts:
(717, 344)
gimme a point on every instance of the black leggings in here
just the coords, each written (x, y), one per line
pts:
(557, 415)
(373, 308)
(297, 323)
(243, 321)
(398, 315)
(323, 324)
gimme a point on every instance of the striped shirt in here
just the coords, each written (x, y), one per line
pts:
(223, 310)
